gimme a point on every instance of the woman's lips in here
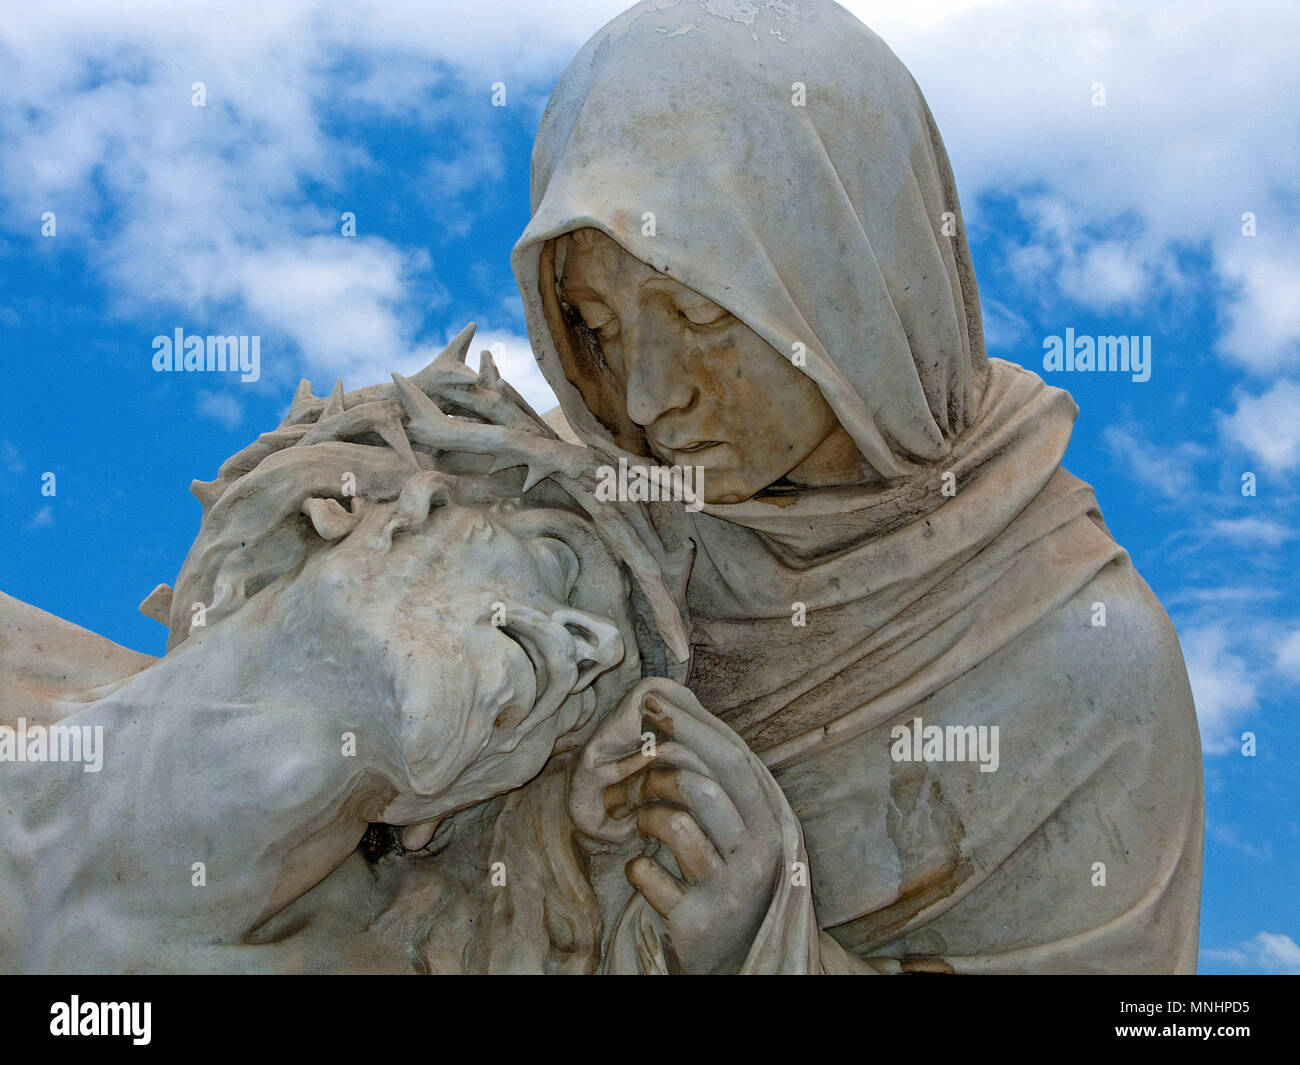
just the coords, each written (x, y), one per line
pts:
(690, 449)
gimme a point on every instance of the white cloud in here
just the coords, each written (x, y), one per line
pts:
(1226, 835)
(1268, 952)
(1288, 656)
(1245, 594)
(221, 407)
(211, 210)
(1263, 321)
(1110, 273)
(1223, 685)
(1278, 953)
(1168, 470)
(345, 301)
(1200, 125)
(42, 518)
(1255, 531)
(1267, 426)
(1068, 256)
(208, 202)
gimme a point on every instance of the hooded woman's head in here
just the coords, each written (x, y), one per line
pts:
(746, 250)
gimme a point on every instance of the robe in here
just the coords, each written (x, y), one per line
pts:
(779, 160)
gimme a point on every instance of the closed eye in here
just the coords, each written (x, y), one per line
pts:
(702, 312)
(599, 318)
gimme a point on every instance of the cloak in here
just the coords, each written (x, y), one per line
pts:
(795, 177)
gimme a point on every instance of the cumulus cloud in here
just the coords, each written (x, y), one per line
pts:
(1262, 319)
(1074, 256)
(1172, 161)
(231, 211)
(1223, 685)
(1288, 656)
(1168, 470)
(209, 207)
(220, 407)
(1266, 426)
(1258, 532)
(1268, 952)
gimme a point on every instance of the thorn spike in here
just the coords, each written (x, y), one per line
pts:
(334, 405)
(456, 351)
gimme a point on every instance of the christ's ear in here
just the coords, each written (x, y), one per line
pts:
(557, 561)
(329, 518)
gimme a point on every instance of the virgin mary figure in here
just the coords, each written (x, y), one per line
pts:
(746, 255)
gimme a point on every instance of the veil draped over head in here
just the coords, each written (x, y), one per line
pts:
(778, 159)
(803, 188)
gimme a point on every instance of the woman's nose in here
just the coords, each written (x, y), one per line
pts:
(657, 380)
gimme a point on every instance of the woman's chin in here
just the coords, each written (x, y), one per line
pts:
(723, 487)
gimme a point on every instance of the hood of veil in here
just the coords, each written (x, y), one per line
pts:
(796, 178)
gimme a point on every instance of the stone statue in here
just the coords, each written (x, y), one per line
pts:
(878, 694)
(373, 638)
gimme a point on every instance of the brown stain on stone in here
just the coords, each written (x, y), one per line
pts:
(928, 836)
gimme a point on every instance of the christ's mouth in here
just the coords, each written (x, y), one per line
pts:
(690, 449)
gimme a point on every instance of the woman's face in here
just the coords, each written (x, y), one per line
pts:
(706, 390)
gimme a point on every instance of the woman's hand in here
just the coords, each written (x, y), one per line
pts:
(696, 789)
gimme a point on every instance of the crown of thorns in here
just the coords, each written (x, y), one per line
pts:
(484, 416)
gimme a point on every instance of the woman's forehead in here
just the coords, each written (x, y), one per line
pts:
(590, 257)
(593, 261)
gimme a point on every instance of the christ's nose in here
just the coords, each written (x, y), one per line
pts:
(598, 643)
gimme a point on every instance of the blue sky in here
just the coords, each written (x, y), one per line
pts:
(1125, 218)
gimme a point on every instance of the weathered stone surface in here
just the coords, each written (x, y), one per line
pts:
(450, 687)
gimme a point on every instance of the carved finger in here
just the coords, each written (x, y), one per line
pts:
(663, 751)
(728, 763)
(696, 855)
(656, 884)
(623, 797)
(627, 775)
(704, 798)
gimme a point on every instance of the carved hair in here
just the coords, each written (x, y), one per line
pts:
(311, 479)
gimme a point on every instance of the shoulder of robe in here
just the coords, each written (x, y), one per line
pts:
(1121, 654)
